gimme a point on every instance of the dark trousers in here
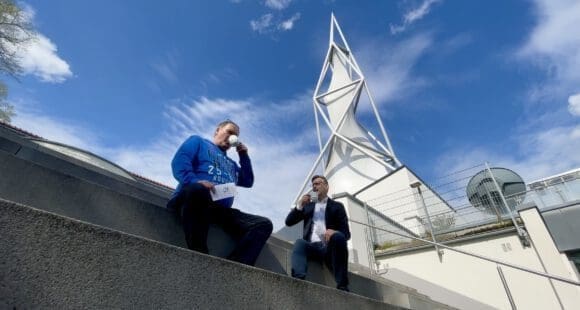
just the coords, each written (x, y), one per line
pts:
(197, 211)
(334, 254)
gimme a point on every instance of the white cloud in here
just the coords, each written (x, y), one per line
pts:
(289, 23)
(165, 71)
(539, 154)
(218, 76)
(413, 15)
(168, 67)
(550, 144)
(552, 45)
(268, 24)
(574, 104)
(57, 130)
(388, 68)
(262, 24)
(151, 161)
(38, 55)
(277, 4)
(281, 159)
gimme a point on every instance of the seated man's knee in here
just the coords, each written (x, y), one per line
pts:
(300, 244)
(265, 226)
(338, 238)
(268, 225)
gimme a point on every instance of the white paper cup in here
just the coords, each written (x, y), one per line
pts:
(233, 140)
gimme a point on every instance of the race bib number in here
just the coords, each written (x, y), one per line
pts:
(222, 191)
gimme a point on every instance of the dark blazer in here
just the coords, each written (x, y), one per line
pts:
(335, 218)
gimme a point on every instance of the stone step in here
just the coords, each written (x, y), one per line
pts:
(54, 262)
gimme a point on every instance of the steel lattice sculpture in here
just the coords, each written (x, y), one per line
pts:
(352, 157)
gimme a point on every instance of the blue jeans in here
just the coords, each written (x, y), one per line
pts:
(334, 254)
(197, 211)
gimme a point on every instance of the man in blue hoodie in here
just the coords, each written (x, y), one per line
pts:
(199, 165)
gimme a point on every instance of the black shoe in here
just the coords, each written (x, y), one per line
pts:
(343, 288)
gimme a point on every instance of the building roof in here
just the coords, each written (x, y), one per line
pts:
(80, 154)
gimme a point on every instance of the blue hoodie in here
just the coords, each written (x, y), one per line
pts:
(199, 159)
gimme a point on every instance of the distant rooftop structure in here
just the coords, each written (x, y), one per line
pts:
(75, 153)
(555, 179)
(556, 190)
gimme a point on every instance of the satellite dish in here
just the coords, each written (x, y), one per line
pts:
(483, 193)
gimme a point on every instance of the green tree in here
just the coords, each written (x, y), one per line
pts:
(6, 109)
(15, 30)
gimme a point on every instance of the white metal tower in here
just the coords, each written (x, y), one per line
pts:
(352, 157)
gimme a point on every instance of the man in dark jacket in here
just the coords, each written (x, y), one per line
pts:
(325, 233)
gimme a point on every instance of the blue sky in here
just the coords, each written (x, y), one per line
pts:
(457, 82)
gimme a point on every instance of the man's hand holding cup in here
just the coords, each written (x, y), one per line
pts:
(235, 142)
(310, 197)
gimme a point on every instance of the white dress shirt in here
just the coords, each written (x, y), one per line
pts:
(318, 221)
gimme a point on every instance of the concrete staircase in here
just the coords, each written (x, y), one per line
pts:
(76, 234)
(54, 262)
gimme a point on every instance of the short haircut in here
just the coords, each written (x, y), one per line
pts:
(228, 121)
(319, 177)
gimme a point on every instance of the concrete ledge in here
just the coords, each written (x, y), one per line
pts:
(47, 181)
(86, 199)
(50, 261)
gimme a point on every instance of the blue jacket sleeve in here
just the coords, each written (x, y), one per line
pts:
(182, 163)
(246, 176)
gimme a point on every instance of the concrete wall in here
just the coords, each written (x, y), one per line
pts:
(480, 280)
(466, 275)
(361, 239)
(554, 262)
(70, 190)
(51, 262)
(396, 199)
(562, 222)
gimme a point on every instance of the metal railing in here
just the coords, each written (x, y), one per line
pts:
(452, 208)
(553, 194)
(489, 259)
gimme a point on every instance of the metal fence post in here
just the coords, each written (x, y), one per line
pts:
(524, 238)
(506, 287)
(370, 243)
(417, 185)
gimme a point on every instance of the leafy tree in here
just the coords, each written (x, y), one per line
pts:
(15, 30)
(6, 109)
